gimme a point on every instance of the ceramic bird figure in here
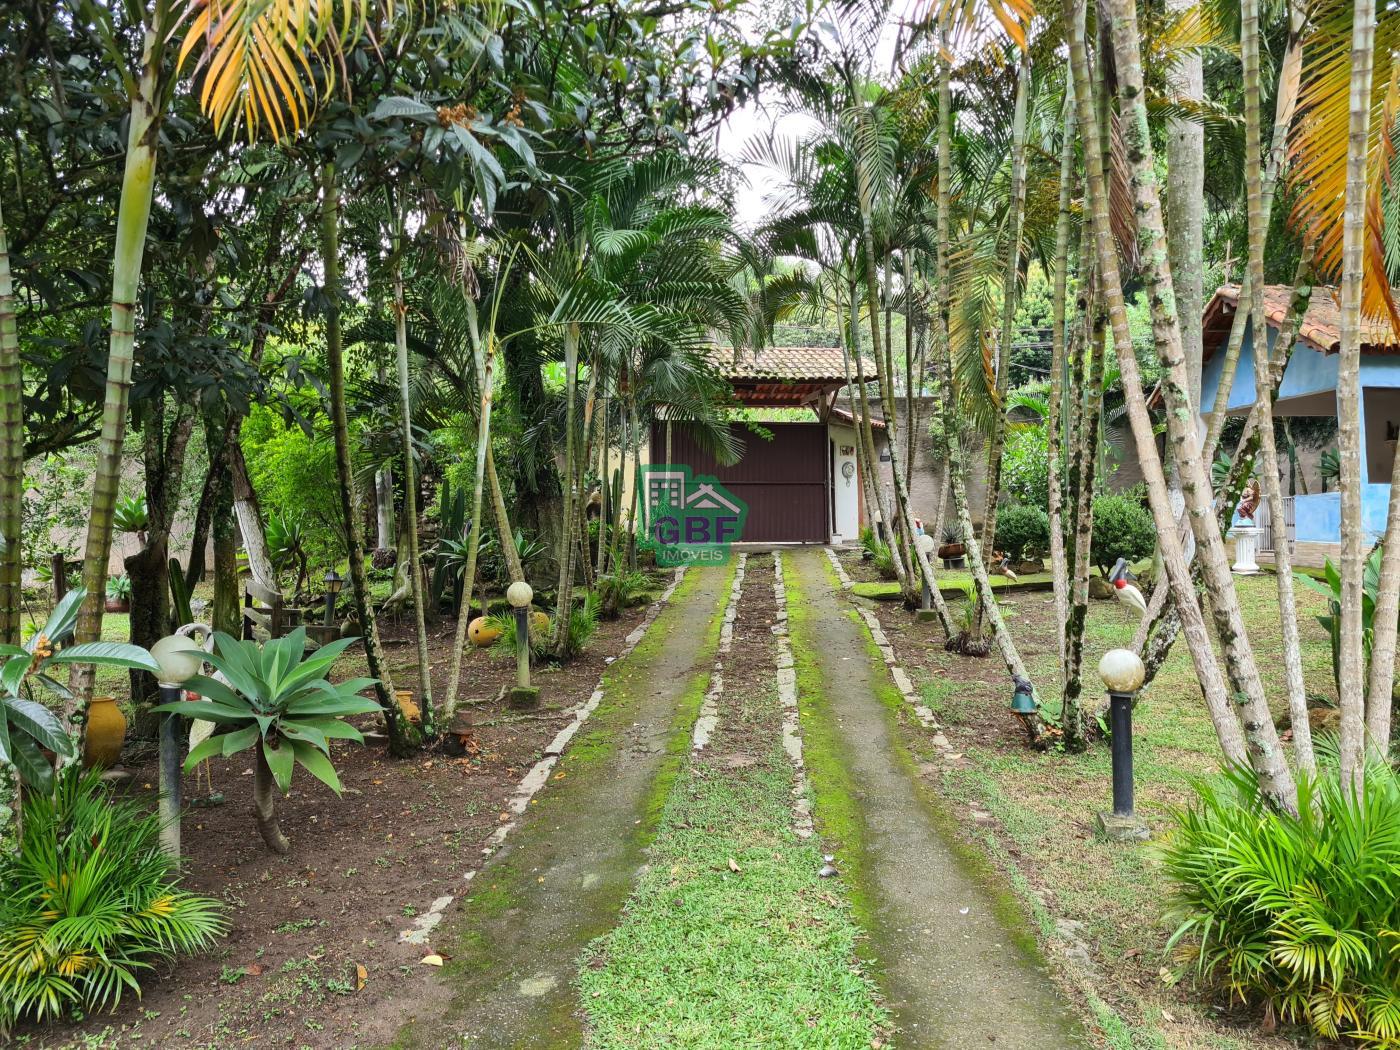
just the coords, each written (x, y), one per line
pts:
(1127, 593)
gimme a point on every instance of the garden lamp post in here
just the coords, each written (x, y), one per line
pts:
(333, 582)
(519, 594)
(179, 659)
(1122, 673)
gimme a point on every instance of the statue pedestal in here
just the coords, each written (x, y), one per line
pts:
(1246, 545)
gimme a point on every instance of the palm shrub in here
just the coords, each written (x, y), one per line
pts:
(1330, 587)
(616, 591)
(89, 902)
(583, 624)
(1298, 911)
(278, 701)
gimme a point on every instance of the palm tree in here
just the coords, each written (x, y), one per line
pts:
(260, 58)
(1268, 454)
(11, 451)
(1266, 755)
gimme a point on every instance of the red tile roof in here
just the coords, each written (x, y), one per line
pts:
(796, 364)
(1321, 327)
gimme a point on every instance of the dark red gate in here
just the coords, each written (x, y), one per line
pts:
(783, 479)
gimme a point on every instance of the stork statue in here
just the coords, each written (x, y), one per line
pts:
(1121, 577)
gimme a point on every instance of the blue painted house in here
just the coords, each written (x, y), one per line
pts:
(1309, 388)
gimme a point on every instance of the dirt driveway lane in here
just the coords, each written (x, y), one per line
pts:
(954, 955)
(563, 875)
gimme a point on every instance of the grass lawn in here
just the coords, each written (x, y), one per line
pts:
(1043, 805)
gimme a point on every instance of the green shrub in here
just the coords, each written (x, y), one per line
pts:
(1123, 528)
(1330, 587)
(1023, 532)
(1299, 911)
(89, 902)
(1025, 466)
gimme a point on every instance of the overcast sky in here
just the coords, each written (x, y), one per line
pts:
(754, 120)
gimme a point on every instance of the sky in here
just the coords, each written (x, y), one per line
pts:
(759, 119)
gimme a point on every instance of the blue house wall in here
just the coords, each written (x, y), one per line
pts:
(1318, 516)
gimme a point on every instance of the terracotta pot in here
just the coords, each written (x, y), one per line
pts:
(483, 632)
(949, 551)
(410, 710)
(115, 605)
(106, 731)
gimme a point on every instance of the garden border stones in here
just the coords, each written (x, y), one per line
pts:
(787, 697)
(708, 718)
(536, 778)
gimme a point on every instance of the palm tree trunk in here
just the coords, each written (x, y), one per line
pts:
(996, 442)
(867, 435)
(133, 216)
(397, 727)
(605, 490)
(1186, 153)
(1015, 667)
(1266, 754)
(1380, 692)
(1059, 569)
(1286, 97)
(911, 404)
(483, 360)
(410, 486)
(1268, 453)
(1218, 703)
(563, 641)
(1352, 667)
(503, 527)
(11, 451)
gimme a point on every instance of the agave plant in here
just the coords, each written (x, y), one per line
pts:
(27, 727)
(278, 701)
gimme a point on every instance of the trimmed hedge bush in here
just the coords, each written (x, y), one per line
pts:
(1023, 532)
(1123, 528)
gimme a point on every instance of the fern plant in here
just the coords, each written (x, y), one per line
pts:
(1299, 911)
(89, 903)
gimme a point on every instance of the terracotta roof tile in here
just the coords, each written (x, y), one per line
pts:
(1321, 327)
(801, 364)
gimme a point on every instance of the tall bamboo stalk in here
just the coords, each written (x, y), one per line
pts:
(133, 216)
(1351, 672)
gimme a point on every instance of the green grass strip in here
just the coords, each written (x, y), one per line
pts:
(709, 957)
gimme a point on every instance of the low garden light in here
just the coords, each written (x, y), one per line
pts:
(1023, 698)
(520, 594)
(334, 582)
(1122, 673)
(179, 659)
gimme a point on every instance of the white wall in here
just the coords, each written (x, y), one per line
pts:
(846, 490)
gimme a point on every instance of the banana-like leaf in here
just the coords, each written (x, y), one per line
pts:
(1318, 149)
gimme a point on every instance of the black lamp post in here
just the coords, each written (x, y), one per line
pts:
(333, 583)
(179, 659)
(1122, 672)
